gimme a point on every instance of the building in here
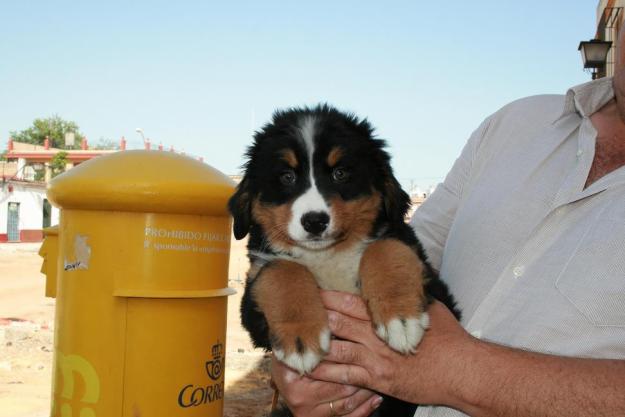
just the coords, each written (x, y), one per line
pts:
(609, 22)
(24, 211)
(31, 159)
(24, 208)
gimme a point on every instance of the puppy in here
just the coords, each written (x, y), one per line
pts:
(323, 210)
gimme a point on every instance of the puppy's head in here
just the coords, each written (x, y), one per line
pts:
(315, 178)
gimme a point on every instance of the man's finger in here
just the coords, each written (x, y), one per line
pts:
(341, 374)
(345, 303)
(352, 329)
(348, 353)
(349, 404)
(298, 385)
(323, 391)
(367, 407)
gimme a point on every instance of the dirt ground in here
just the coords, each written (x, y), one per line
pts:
(26, 340)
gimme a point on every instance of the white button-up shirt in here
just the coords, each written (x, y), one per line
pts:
(535, 260)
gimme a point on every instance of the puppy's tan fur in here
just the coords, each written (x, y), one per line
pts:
(390, 270)
(297, 324)
(274, 220)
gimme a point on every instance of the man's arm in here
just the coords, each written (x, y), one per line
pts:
(453, 369)
(515, 383)
(433, 219)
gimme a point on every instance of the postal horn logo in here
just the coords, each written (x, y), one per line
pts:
(214, 368)
(192, 395)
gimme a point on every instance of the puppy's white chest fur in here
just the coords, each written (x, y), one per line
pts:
(334, 270)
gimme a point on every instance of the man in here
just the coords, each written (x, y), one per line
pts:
(528, 230)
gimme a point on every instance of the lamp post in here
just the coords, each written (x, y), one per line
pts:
(146, 142)
(594, 54)
(140, 131)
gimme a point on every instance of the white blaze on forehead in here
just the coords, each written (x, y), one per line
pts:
(307, 130)
(311, 200)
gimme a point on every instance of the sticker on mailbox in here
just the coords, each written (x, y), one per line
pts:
(81, 253)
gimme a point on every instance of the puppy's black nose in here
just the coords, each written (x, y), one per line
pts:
(315, 222)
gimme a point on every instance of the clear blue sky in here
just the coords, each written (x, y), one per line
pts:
(202, 75)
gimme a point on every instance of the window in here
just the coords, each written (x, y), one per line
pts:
(13, 220)
(47, 213)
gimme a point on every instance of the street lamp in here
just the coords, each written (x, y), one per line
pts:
(594, 54)
(140, 131)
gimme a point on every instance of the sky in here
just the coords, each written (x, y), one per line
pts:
(202, 76)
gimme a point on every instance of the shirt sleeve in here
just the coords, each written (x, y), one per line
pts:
(433, 219)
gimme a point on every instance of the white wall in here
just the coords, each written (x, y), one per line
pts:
(55, 216)
(31, 207)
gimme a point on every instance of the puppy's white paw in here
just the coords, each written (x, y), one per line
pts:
(305, 359)
(324, 340)
(403, 335)
(302, 362)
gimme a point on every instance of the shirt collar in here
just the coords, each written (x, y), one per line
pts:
(585, 99)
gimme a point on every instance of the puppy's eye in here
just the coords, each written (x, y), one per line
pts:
(340, 175)
(288, 177)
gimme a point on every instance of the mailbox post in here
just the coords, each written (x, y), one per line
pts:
(49, 251)
(141, 297)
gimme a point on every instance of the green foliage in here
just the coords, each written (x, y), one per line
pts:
(54, 127)
(3, 155)
(40, 174)
(58, 163)
(106, 144)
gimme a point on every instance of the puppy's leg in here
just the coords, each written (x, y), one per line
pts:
(253, 319)
(288, 296)
(393, 286)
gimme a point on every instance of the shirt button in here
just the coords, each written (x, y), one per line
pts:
(518, 271)
(477, 334)
(579, 153)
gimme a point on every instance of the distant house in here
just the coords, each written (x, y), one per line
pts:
(24, 208)
(24, 211)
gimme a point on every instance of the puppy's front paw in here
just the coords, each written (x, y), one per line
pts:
(403, 334)
(288, 296)
(393, 285)
(300, 346)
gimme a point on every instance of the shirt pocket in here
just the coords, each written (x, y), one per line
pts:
(593, 279)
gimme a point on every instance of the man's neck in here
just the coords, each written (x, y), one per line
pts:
(610, 145)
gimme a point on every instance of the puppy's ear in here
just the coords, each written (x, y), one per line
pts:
(396, 201)
(240, 206)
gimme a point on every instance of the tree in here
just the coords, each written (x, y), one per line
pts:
(58, 163)
(54, 127)
(106, 144)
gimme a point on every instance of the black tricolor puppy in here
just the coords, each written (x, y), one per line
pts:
(323, 210)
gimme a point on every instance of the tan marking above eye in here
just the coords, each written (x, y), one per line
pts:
(334, 156)
(289, 157)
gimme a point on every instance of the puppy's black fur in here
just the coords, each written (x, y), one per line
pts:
(369, 172)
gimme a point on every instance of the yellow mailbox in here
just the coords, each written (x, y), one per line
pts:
(144, 240)
(49, 251)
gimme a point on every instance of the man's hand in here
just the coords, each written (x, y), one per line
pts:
(362, 359)
(307, 397)
(453, 369)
